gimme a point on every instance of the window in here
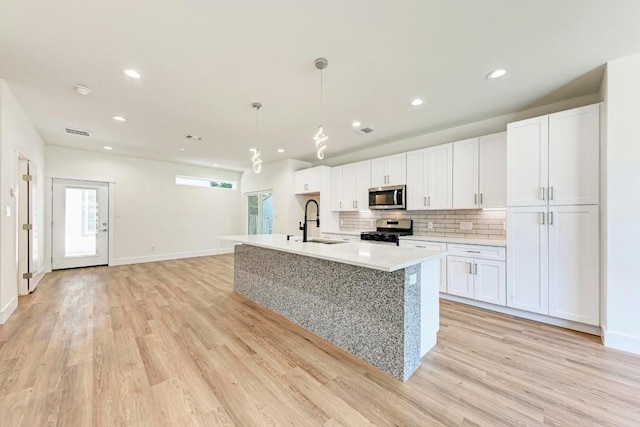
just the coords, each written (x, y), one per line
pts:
(205, 182)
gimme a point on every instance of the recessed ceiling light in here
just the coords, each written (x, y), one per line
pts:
(182, 149)
(82, 89)
(119, 118)
(215, 165)
(106, 147)
(356, 124)
(280, 150)
(416, 102)
(496, 74)
(132, 73)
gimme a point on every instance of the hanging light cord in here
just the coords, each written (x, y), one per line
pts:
(320, 136)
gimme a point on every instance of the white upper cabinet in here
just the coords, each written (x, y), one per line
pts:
(389, 170)
(574, 139)
(430, 178)
(336, 188)
(554, 159)
(350, 186)
(308, 180)
(465, 174)
(480, 172)
(492, 170)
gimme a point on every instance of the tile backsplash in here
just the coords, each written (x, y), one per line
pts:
(485, 224)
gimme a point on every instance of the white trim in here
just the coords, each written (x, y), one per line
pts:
(8, 310)
(167, 257)
(621, 341)
(568, 324)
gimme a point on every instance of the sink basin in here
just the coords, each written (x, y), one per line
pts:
(324, 241)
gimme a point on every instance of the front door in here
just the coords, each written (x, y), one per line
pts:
(80, 224)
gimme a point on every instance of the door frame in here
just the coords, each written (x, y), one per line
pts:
(245, 203)
(49, 215)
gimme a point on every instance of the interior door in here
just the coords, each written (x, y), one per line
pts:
(80, 224)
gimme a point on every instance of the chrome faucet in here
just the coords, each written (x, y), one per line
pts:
(303, 227)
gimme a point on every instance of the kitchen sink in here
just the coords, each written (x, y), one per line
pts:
(324, 241)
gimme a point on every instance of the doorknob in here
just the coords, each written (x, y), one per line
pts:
(106, 229)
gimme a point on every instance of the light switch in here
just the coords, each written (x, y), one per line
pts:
(430, 225)
(7, 211)
(413, 279)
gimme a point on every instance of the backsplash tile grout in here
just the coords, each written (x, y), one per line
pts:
(488, 224)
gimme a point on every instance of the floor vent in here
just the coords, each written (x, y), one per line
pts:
(74, 131)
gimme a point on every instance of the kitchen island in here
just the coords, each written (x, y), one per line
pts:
(378, 302)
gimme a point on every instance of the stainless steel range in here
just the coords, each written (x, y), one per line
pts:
(389, 231)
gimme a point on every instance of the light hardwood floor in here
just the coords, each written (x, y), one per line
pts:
(170, 343)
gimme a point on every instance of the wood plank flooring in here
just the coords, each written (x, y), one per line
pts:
(170, 343)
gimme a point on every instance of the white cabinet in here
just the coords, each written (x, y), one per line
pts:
(492, 170)
(389, 170)
(477, 272)
(574, 285)
(430, 178)
(433, 246)
(554, 159)
(527, 259)
(308, 181)
(350, 186)
(553, 261)
(465, 173)
(480, 172)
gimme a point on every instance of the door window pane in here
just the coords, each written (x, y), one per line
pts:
(81, 218)
(260, 213)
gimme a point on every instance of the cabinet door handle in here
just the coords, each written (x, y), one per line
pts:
(475, 198)
(470, 268)
(542, 218)
(425, 201)
(550, 218)
(542, 193)
(551, 193)
(421, 247)
(475, 269)
(474, 252)
(481, 201)
(429, 201)
(340, 205)
(356, 204)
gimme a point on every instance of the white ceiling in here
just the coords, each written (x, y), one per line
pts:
(204, 63)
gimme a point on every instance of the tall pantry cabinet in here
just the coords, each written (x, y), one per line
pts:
(553, 215)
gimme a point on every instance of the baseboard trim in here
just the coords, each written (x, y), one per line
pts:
(621, 341)
(168, 257)
(8, 310)
(568, 324)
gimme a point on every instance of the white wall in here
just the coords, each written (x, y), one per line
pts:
(151, 210)
(17, 135)
(280, 178)
(622, 201)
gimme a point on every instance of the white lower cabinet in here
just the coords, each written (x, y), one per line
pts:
(478, 279)
(434, 246)
(553, 261)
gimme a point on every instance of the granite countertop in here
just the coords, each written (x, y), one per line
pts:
(459, 240)
(369, 255)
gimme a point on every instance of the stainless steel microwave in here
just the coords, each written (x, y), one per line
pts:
(390, 197)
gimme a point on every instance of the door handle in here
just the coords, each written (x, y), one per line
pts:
(550, 218)
(475, 198)
(340, 205)
(551, 193)
(542, 218)
(481, 201)
(475, 269)
(106, 229)
(542, 193)
(429, 201)
(470, 268)
(425, 201)
(356, 202)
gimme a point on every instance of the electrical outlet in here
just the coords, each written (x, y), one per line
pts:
(341, 222)
(370, 223)
(413, 279)
(430, 225)
(466, 225)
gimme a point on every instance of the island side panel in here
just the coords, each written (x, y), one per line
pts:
(412, 314)
(361, 310)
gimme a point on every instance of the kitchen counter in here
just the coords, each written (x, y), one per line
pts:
(378, 257)
(459, 240)
(377, 302)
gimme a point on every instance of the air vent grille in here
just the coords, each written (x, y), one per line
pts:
(74, 131)
(193, 137)
(365, 131)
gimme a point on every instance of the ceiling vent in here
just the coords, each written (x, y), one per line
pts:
(193, 138)
(74, 131)
(365, 131)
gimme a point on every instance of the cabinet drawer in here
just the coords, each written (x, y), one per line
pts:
(433, 246)
(485, 252)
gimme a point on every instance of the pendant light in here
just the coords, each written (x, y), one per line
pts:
(320, 137)
(255, 158)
